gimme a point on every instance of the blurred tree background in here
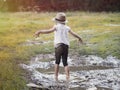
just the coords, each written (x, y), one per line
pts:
(59, 5)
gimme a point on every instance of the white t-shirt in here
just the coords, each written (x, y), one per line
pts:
(61, 34)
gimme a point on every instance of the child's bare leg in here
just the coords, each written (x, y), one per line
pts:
(56, 71)
(67, 73)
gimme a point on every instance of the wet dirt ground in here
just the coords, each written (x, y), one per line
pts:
(86, 73)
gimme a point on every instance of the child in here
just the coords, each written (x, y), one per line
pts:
(61, 42)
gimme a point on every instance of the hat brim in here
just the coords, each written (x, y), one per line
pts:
(55, 20)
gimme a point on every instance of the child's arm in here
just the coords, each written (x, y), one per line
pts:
(75, 35)
(44, 31)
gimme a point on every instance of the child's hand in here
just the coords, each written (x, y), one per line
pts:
(81, 42)
(36, 34)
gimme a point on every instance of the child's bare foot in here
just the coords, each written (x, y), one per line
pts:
(67, 78)
(56, 79)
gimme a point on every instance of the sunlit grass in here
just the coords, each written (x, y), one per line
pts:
(16, 28)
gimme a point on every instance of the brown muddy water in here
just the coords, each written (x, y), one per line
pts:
(86, 73)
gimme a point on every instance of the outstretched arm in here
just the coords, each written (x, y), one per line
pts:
(44, 31)
(75, 35)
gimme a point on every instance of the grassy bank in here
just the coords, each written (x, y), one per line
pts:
(100, 31)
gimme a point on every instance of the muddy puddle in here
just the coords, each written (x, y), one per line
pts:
(86, 73)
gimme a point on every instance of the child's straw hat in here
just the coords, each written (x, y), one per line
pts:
(60, 17)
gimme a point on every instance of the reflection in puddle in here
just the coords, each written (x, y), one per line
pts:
(104, 74)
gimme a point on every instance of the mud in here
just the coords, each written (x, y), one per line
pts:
(86, 73)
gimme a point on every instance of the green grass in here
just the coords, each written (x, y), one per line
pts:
(16, 28)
